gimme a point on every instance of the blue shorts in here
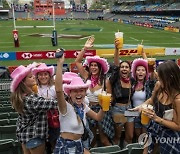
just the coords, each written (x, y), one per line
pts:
(35, 142)
(137, 122)
(66, 146)
(116, 109)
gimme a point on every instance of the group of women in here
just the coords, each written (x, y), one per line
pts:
(75, 97)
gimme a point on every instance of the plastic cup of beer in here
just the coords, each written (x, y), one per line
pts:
(140, 49)
(119, 36)
(106, 99)
(35, 89)
(145, 119)
(151, 63)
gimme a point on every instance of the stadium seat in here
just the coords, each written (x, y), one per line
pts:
(135, 148)
(6, 147)
(4, 122)
(105, 149)
(8, 132)
(13, 115)
(4, 115)
(6, 109)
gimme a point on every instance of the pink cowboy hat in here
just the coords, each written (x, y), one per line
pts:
(67, 76)
(139, 62)
(102, 61)
(18, 75)
(76, 83)
(43, 68)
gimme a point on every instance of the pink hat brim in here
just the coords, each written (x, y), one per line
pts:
(139, 62)
(15, 82)
(49, 69)
(68, 87)
(102, 61)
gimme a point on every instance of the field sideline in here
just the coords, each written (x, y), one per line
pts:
(102, 30)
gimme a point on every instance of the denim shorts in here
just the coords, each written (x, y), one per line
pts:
(116, 109)
(66, 146)
(35, 142)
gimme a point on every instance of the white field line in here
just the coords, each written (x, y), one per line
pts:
(84, 38)
(133, 38)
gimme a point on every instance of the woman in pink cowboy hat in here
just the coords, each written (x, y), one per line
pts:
(32, 126)
(72, 113)
(141, 90)
(44, 76)
(96, 72)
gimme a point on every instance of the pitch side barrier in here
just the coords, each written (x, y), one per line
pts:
(109, 53)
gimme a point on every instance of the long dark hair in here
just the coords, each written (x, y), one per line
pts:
(101, 75)
(169, 74)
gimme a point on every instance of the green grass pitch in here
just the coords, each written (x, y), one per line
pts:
(102, 30)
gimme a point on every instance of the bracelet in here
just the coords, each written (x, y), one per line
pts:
(161, 121)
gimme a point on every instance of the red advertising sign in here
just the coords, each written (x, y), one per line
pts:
(50, 54)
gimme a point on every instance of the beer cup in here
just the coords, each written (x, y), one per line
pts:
(35, 89)
(151, 63)
(140, 49)
(106, 99)
(145, 119)
(119, 36)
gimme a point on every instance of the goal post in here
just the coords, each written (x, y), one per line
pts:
(15, 31)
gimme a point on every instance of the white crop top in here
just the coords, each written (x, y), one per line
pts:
(93, 96)
(46, 91)
(69, 122)
(138, 98)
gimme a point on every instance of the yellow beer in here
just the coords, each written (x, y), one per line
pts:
(106, 99)
(119, 37)
(100, 98)
(140, 49)
(35, 89)
(144, 119)
(151, 64)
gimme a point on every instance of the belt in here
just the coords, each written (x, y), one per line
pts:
(123, 104)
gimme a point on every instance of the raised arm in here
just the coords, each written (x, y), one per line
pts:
(116, 52)
(144, 54)
(78, 61)
(59, 86)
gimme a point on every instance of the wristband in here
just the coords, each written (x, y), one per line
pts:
(161, 121)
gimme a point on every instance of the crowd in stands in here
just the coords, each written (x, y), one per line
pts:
(145, 7)
(63, 112)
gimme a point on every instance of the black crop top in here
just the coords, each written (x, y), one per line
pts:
(161, 108)
(124, 97)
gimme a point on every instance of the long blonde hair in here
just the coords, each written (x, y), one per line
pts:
(18, 96)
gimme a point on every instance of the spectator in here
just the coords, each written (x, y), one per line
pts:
(96, 72)
(165, 99)
(32, 128)
(72, 113)
(44, 76)
(119, 85)
(141, 90)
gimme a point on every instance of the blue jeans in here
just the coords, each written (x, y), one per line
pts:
(116, 109)
(35, 142)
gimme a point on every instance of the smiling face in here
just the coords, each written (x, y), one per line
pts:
(43, 78)
(77, 95)
(94, 68)
(140, 73)
(124, 70)
(30, 80)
